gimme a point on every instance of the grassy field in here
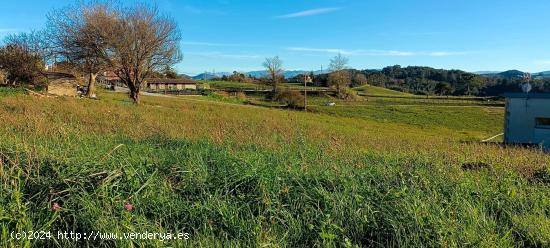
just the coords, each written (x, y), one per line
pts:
(233, 175)
(374, 90)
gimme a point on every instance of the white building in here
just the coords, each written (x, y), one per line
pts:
(527, 119)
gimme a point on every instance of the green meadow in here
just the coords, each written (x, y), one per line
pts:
(235, 175)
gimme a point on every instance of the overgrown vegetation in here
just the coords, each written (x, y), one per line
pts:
(247, 176)
(290, 98)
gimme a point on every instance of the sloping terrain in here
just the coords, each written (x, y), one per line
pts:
(232, 175)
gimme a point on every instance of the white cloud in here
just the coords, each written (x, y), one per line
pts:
(309, 12)
(320, 50)
(361, 52)
(543, 62)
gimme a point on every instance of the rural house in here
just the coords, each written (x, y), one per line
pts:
(156, 84)
(110, 78)
(527, 119)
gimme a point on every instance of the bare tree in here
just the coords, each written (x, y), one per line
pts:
(274, 67)
(22, 59)
(77, 37)
(141, 41)
(359, 79)
(339, 77)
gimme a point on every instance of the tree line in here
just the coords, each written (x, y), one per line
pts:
(429, 81)
(132, 41)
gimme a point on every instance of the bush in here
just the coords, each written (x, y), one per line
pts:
(292, 99)
(22, 65)
(240, 96)
(348, 95)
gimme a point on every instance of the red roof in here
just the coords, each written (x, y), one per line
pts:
(110, 76)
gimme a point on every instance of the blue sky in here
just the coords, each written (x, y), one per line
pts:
(227, 35)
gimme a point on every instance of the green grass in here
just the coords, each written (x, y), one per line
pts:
(379, 91)
(8, 91)
(244, 176)
(461, 119)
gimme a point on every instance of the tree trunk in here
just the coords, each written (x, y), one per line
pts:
(91, 85)
(134, 95)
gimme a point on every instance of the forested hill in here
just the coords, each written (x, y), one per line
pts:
(426, 80)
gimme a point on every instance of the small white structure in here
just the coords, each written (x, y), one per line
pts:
(527, 119)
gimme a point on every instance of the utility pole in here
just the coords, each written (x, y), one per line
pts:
(307, 79)
(305, 93)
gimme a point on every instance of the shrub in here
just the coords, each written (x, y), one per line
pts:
(240, 96)
(292, 99)
(23, 66)
(348, 95)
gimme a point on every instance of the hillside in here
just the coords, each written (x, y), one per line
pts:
(237, 175)
(374, 90)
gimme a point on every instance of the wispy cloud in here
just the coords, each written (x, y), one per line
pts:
(320, 50)
(360, 52)
(543, 62)
(224, 55)
(309, 12)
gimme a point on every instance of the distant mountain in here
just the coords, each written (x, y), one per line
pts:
(485, 73)
(511, 74)
(293, 73)
(210, 76)
(287, 74)
(504, 74)
(257, 74)
(544, 74)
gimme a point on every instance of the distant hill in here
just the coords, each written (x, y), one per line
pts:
(504, 74)
(210, 76)
(511, 74)
(487, 73)
(287, 74)
(257, 74)
(544, 74)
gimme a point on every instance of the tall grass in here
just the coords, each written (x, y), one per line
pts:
(247, 176)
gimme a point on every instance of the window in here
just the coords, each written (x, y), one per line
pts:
(542, 122)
